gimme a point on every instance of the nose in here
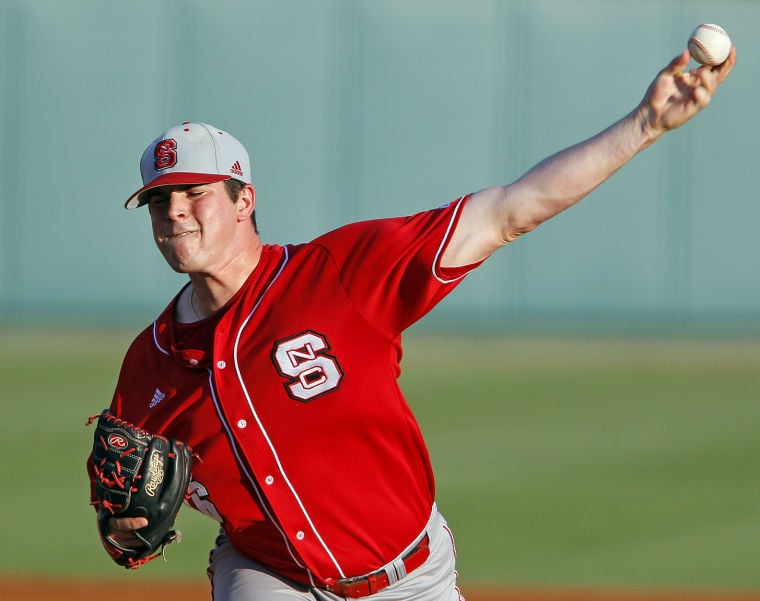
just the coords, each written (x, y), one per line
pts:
(177, 205)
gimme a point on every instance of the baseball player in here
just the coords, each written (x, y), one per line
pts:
(278, 364)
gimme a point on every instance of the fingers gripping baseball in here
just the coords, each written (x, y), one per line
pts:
(676, 95)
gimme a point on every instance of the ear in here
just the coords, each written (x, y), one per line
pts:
(246, 202)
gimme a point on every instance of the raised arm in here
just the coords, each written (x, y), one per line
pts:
(496, 216)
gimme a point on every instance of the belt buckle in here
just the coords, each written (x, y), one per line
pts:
(355, 587)
(369, 584)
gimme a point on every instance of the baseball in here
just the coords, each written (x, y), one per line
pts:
(709, 44)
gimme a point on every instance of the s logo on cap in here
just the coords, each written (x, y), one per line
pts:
(165, 154)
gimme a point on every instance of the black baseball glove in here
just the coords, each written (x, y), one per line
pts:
(138, 474)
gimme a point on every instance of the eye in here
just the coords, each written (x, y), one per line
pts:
(156, 198)
(193, 192)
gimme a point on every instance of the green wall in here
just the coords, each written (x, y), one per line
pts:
(354, 109)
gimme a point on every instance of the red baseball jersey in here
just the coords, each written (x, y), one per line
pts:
(309, 455)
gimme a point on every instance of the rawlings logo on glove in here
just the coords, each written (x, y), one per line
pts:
(138, 474)
(156, 474)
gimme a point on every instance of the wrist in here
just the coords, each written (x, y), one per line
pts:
(647, 131)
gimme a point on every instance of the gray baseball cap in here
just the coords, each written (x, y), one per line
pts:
(191, 153)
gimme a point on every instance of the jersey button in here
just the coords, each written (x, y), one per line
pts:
(300, 535)
(242, 423)
(269, 480)
(221, 364)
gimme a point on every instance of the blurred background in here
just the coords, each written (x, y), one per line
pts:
(354, 109)
(358, 109)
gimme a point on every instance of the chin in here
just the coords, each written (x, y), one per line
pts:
(176, 264)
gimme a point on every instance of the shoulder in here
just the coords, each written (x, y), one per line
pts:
(411, 225)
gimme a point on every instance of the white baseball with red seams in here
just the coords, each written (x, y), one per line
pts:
(709, 44)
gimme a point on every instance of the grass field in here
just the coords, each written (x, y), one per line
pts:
(573, 462)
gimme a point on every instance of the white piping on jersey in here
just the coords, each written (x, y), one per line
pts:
(155, 339)
(233, 441)
(245, 470)
(155, 332)
(263, 430)
(249, 400)
(443, 244)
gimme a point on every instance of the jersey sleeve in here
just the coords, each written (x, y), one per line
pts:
(390, 268)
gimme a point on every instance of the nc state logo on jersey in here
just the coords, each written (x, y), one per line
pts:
(165, 154)
(310, 370)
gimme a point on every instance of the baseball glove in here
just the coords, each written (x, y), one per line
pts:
(138, 474)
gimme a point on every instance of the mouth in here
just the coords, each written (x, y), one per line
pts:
(178, 235)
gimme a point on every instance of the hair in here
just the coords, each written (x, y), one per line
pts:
(233, 187)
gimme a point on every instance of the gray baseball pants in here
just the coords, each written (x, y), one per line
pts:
(236, 578)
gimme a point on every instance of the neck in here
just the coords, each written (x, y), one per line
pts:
(210, 292)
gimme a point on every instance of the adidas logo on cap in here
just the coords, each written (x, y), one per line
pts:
(236, 169)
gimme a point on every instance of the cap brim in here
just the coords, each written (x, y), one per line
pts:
(173, 179)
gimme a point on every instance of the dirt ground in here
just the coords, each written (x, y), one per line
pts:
(25, 590)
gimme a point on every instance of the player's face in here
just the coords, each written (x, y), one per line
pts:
(194, 226)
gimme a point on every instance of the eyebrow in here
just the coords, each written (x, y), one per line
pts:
(162, 192)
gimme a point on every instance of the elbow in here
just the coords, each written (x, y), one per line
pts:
(518, 214)
(516, 226)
